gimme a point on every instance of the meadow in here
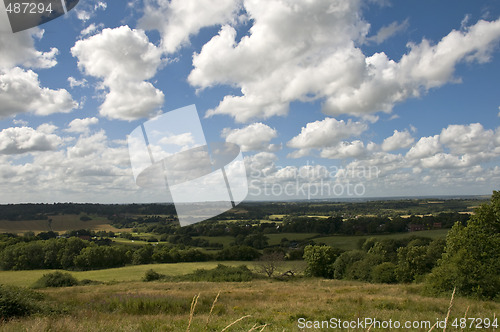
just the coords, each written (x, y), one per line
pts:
(60, 223)
(261, 305)
(128, 273)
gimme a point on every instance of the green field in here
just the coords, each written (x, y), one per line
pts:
(351, 242)
(60, 223)
(127, 273)
(275, 239)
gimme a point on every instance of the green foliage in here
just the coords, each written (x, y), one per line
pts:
(384, 273)
(238, 253)
(143, 255)
(17, 302)
(320, 260)
(85, 217)
(152, 275)
(100, 257)
(345, 260)
(412, 262)
(362, 269)
(471, 261)
(56, 279)
(222, 273)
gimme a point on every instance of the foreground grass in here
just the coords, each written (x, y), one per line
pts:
(166, 306)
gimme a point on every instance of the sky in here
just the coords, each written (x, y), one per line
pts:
(326, 98)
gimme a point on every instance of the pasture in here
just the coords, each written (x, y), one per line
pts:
(262, 305)
(59, 223)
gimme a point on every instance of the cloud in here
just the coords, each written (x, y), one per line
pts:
(344, 150)
(81, 125)
(177, 20)
(425, 147)
(308, 51)
(325, 133)
(185, 139)
(255, 137)
(399, 140)
(18, 140)
(91, 29)
(388, 31)
(124, 59)
(88, 9)
(19, 49)
(91, 169)
(467, 139)
(74, 82)
(20, 92)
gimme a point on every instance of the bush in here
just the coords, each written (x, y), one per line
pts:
(152, 275)
(56, 279)
(222, 273)
(17, 302)
(384, 273)
(345, 260)
(320, 260)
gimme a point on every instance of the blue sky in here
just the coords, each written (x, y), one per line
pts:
(370, 98)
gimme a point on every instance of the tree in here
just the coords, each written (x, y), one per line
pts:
(384, 273)
(471, 262)
(412, 262)
(269, 263)
(320, 260)
(345, 260)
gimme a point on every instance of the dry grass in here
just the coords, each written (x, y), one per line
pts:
(253, 306)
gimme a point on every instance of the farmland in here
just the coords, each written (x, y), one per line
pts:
(327, 260)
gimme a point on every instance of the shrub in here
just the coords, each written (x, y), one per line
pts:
(344, 261)
(320, 260)
(222, 273)
(152, 275)
(17, 302)
(384, 273)
(56, 279)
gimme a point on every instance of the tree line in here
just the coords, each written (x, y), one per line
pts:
(467, 262)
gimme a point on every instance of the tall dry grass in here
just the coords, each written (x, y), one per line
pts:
(261, 305)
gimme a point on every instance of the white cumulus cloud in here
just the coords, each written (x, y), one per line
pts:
(177, 20)
(81, 125)
(327, 132)
(19, 49)
(20, 92)
(308, 51)
(18, 140)
(399, 140)
(255, 137)
(124, 59)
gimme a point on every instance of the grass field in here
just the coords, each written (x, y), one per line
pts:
(127, 273)
(268, 305)
(275, 239)
(60, 223)
(130, 273)
(351, 242)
